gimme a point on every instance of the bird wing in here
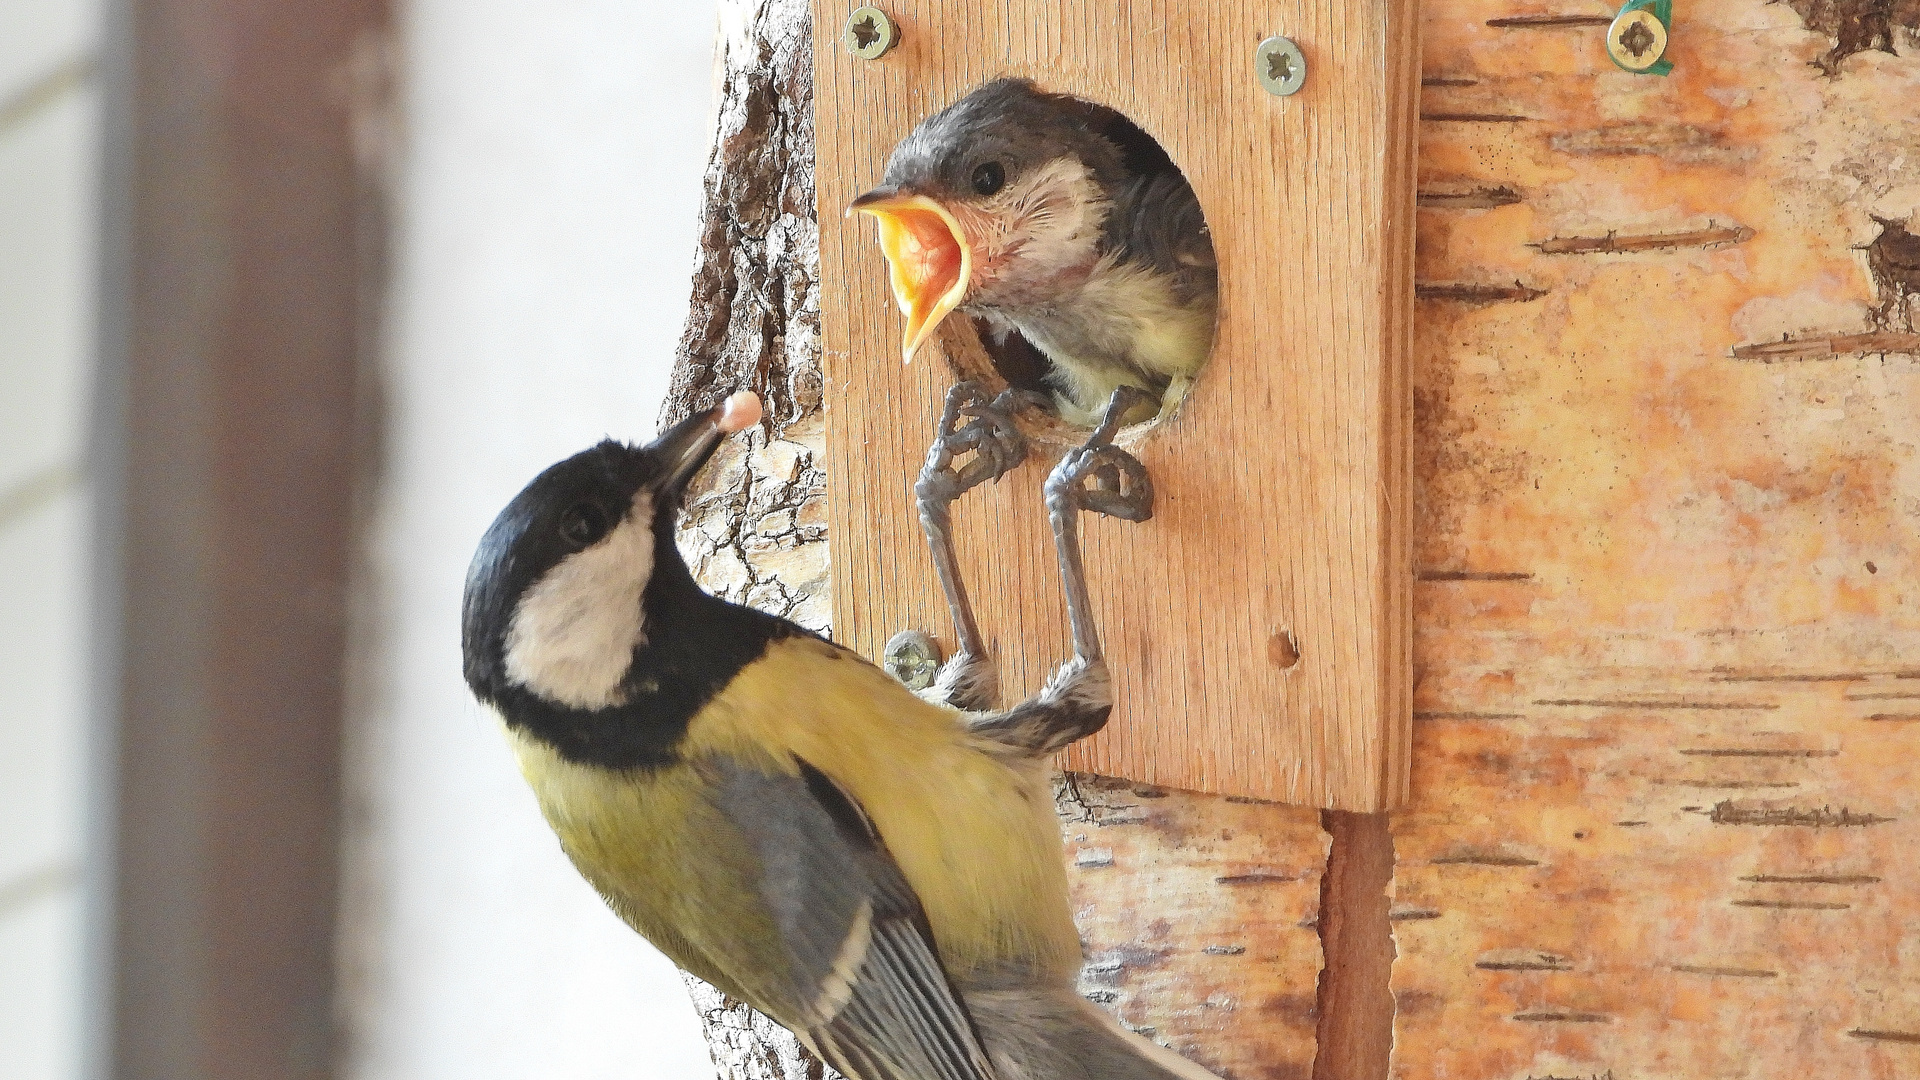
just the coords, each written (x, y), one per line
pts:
(1156, 218)
(868, 987)
(1157, 221)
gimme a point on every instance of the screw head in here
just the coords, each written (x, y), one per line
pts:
(1637, 40)
(913, 657)
(869, 33)
(1280, 66)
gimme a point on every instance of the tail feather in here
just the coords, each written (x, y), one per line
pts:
(1054, 1034)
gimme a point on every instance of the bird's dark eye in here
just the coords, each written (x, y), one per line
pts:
(989, 178)
(583, 524)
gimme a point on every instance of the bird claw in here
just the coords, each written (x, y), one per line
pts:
(1120, 485)
(997, 445)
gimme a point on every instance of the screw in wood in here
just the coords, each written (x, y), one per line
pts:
(1637, 40)
(870, 33)
(1280, 66)
(913, 657)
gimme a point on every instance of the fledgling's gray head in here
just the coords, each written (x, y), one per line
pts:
(999, 137)
(999, 199)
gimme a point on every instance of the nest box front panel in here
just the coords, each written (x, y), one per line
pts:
(1258, 626)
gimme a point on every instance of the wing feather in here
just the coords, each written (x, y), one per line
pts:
(867, 985)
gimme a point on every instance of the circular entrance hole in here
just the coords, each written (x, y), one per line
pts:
(1087, 263)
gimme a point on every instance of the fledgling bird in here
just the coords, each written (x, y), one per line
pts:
(1059, 219)
(880, 873)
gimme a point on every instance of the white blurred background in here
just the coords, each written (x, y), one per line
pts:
(544, 225)
(49, 165)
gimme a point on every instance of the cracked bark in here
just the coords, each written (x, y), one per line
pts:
(755, 528)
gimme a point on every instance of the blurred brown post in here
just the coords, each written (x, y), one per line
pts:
(241, 236)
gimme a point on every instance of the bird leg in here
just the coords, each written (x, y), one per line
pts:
(1120, 488)
(968, 680)
(1077, 700)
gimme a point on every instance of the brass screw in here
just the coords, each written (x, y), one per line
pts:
(870, 33)
(913, 657)
(1637, 40)
(1280, 66)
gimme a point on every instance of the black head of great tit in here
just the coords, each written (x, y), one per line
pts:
(582, 624)
(1060, 220)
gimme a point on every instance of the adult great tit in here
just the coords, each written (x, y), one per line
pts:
(880, 873)
(1058, 219)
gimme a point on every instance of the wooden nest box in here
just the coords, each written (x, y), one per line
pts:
(1259, 625)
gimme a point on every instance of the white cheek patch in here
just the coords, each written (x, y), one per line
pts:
(574, 633)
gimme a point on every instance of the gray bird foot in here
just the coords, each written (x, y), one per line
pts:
(1100, 477)
(967, 680)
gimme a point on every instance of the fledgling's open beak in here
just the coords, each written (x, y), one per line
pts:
(928, 253)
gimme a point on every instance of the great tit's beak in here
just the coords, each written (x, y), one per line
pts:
(929, 256)
(684, 447)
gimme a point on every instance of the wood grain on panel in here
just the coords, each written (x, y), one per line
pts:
(1284, 516)
(1668, 540)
